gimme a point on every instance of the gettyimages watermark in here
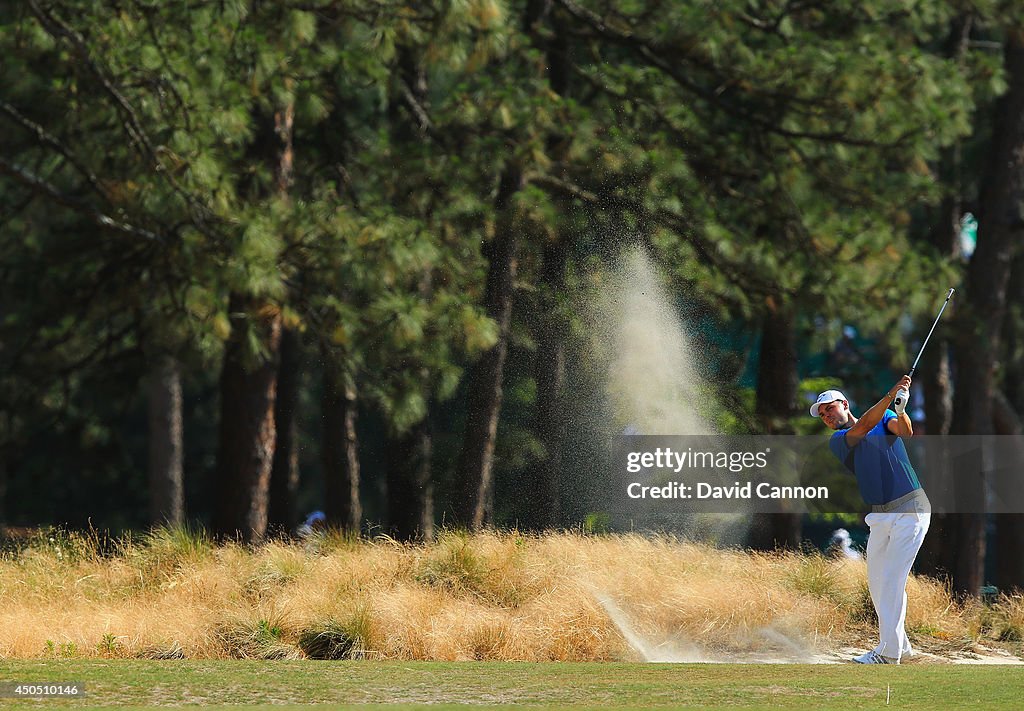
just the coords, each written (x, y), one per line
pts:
(743, 474)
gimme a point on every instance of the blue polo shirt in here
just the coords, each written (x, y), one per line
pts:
(879, 461)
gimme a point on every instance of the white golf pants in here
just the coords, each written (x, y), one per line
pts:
(893, 543)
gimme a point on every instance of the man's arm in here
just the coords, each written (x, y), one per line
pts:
(875, 413)
(900, 425)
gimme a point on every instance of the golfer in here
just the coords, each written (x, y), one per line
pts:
(871, 447)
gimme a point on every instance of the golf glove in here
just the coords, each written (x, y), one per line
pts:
(899, 404)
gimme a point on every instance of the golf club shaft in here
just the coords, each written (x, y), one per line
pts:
(934, 324)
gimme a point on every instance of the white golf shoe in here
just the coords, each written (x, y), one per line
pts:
(874, 657)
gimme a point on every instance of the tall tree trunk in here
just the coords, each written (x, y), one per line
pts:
(4, 434)
(1009, 542)
(410, 484)
(474, 477)
(981, 312)
(1006, 408)
(544, 475)
(777, 384)
(474, 503)
(777, 377)
(248, 383)
(248, 387)
(1013, 338)
(284, 478)
(284, 475)
(284, 152)
(933, 377)
(982, 306)
(410, 481)
(340, 451)
(936, 556)
(166, 443)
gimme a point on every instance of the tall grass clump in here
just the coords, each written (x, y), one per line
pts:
(255, 638)
(339, 639)
(60, 545)
(1010, 625)
(156, 557)
(453, 564)
(814, 575)
(174, 593)
(164, 549)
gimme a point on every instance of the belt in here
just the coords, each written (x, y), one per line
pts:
(895, 504)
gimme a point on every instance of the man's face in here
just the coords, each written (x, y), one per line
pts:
(835, 414)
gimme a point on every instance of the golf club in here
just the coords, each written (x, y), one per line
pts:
(934, 324)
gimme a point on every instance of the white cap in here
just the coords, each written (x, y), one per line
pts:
(824, 399)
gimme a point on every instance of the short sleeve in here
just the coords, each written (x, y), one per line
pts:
(837, 443)
(882, 428)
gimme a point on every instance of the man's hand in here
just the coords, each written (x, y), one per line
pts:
(902, 395)
(875, 414)
(902, 384)
(901, 426)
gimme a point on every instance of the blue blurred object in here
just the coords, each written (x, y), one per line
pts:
(314, 522)
(968, 235)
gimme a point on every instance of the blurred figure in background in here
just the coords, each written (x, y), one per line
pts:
(841, 546)
(315, 523)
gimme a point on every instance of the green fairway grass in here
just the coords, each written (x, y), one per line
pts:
(302, 684)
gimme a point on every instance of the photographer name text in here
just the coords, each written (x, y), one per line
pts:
(706, 491)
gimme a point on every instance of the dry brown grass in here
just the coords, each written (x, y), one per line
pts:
(485, 596)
